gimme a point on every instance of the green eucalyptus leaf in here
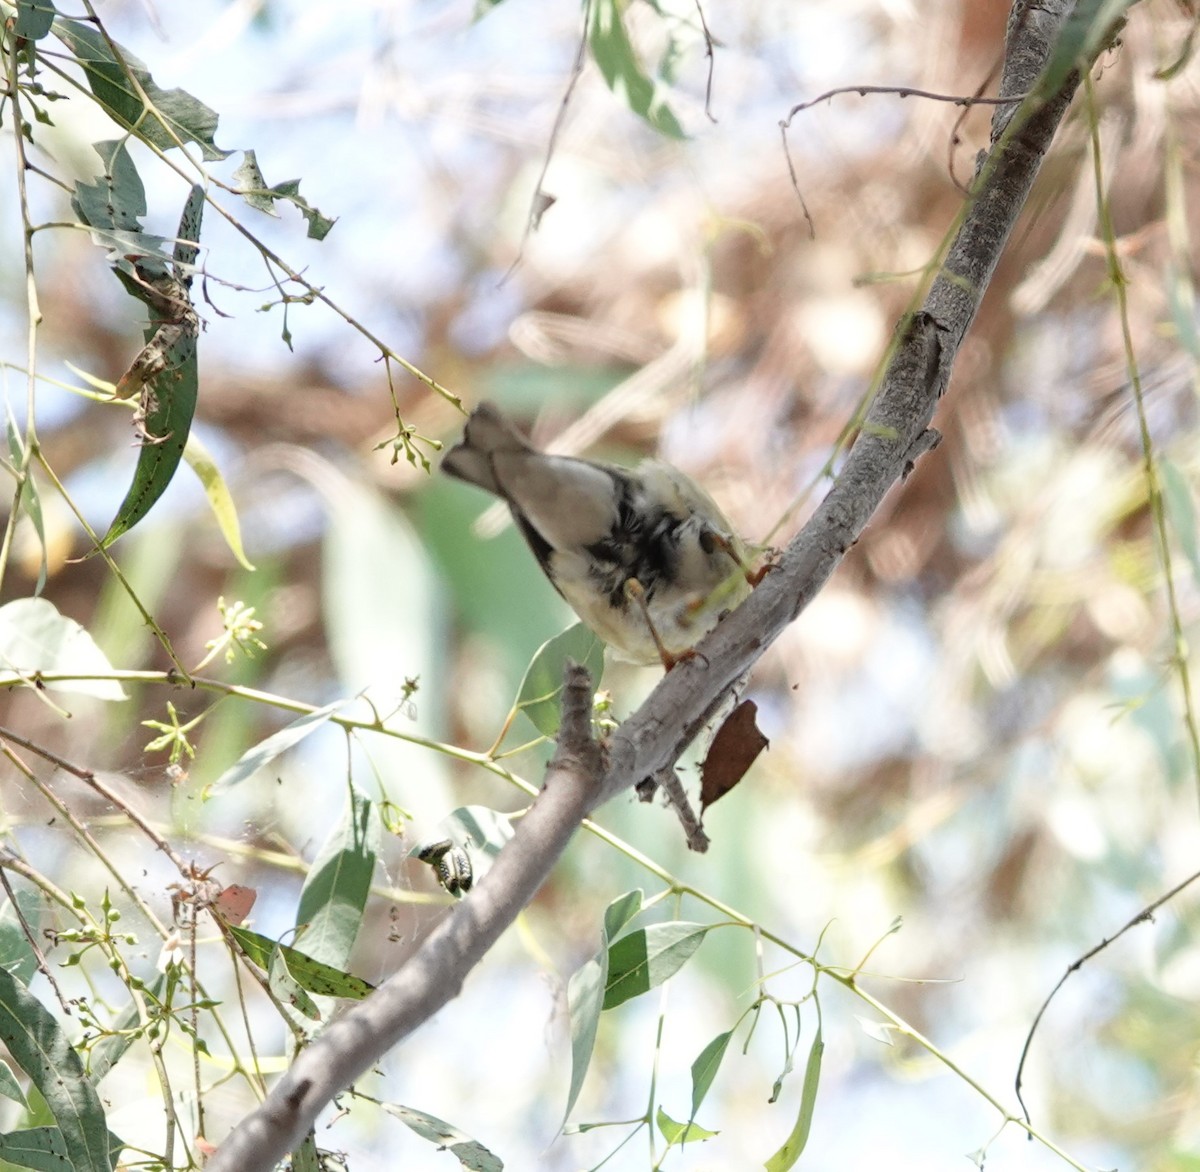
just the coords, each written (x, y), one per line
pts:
(163, 118)
(34, 18)
(675, 1132)
(794, 1145)
(470, 1153)
(622, 72)
(35, 638)
(39, 1047)
(705, 1068)
(539, 696)
(645, 958)
(335, 892)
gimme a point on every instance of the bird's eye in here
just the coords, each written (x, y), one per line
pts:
(708, 540)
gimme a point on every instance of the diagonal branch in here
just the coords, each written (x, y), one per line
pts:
(894, 434)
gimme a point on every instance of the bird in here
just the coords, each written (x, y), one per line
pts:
(643, 555)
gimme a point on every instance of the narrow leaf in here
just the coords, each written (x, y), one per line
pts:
(645, 958)
(1089, 26)
(219, 498)
(286, 989)
(585, 1000)
(705, 1068)
(29, 500)
(621, 70)
(794, 1145)
(172, 400)
(165, 374)
(335, 892)
(37, 1045)
(470, 1153)
(261, 755)
(1181, 511)
(9, 1087)
(35, 638)
(620, 912)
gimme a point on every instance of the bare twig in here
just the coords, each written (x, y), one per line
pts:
(1146, 914)
(31, 940)
(709, 46)
(899, 91)
(677, 799)
(541, 201)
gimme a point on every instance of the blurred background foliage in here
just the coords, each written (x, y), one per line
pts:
(979, 724)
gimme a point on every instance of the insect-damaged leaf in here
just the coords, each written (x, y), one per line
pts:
(322, 979)
(37, 1044)
(165, 373)
(165, 119)
(252, 187)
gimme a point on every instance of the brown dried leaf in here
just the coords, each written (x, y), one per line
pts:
(734, 749)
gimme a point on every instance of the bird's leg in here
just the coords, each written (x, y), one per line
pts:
(711, 539)
(636, 592)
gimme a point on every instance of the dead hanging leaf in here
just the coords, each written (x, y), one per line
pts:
(155, 356)
(233, 904)
(734, 749)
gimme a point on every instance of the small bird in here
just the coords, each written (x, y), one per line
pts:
(642, 555)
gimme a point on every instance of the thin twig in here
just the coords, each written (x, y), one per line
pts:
(709, 45)
(667, 781)
(31, 940)
(541, 201)
(1147, 913)
(966, 100)
(106, 792)
(901, 91)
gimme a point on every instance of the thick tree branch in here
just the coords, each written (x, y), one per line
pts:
(893, 436)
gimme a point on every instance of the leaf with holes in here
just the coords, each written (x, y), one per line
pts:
(252, 187)
(37, 1045)
(313, 975)
(163, 118)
